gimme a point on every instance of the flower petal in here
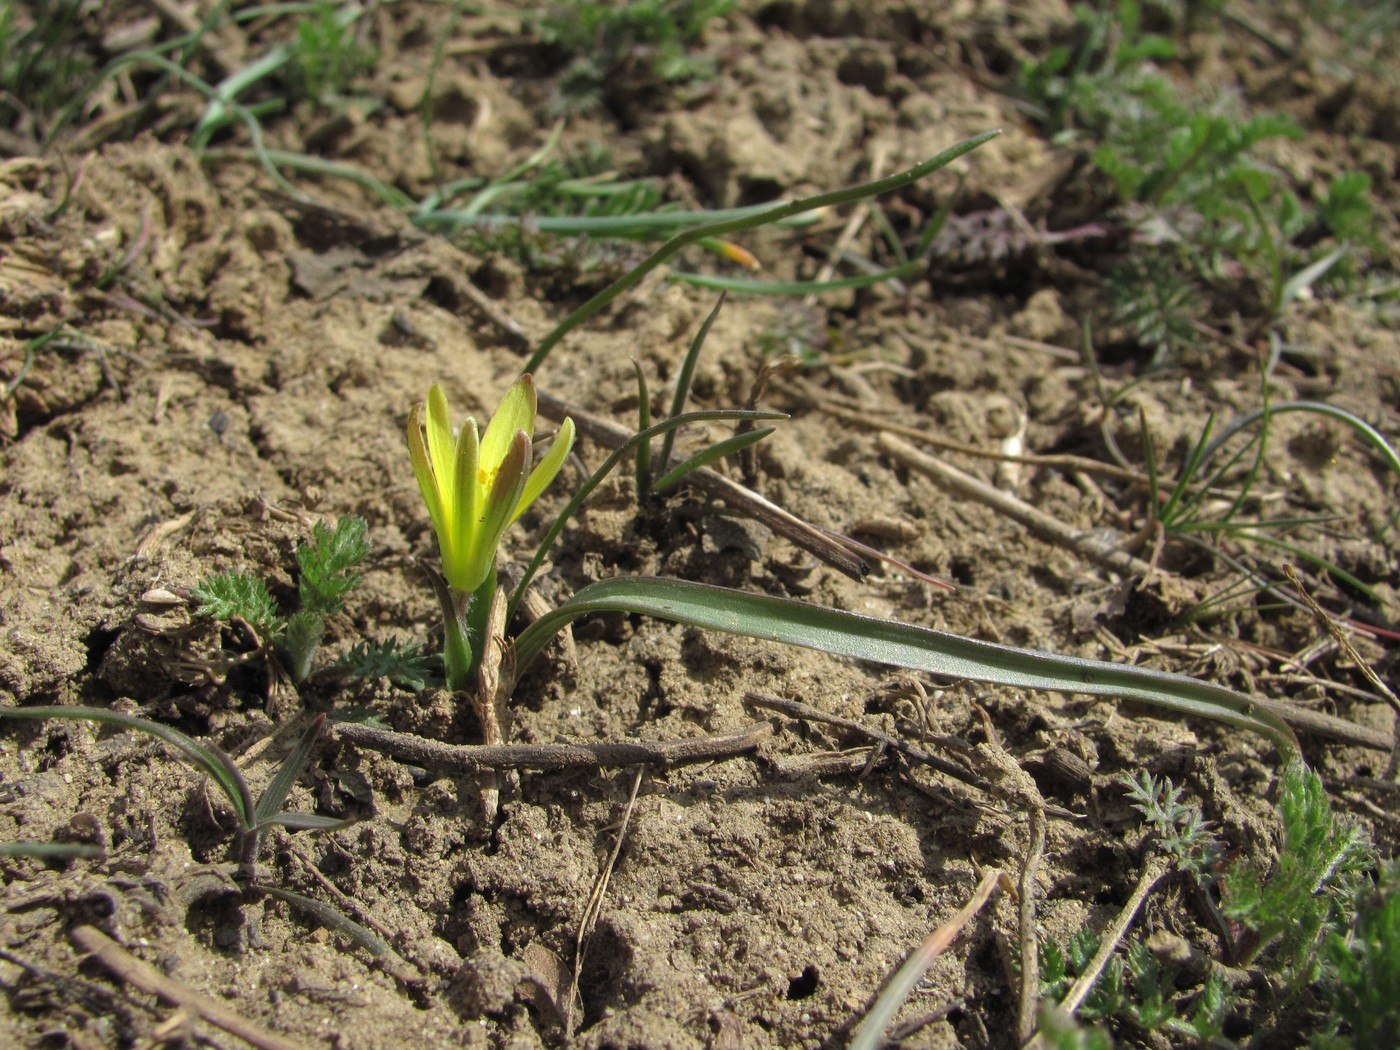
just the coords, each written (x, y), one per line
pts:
(422, 464)
(500, 502)
(440, 443)
(515, 412)
(455, 541)
(547, 468)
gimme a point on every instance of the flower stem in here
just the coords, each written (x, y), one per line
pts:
(464, 616)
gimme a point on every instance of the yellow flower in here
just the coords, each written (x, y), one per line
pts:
(476, 487)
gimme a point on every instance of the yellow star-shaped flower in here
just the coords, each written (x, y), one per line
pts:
(475, 487)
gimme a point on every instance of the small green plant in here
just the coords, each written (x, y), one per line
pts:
(1179, 828)
(1289, 910)
(327, 55)
(404, 663)
(1137, 988)
(255, 817)
(1068, 83)
(1059, 1031)
(1201, 210)
(474, 488)
(610, 40)
(43, 65)
(1209, 498)
(658, 475)
(326, 574)
(320, 59)
(1363, 970)
(1293, 920)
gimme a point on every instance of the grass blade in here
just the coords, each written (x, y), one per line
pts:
(643, 422)
(307, 822)
(744, 286)
(51, 850)
(777, 213)
(330, 917)
(684, 378)
(270, 804)
(206, 758)
(620, 453)
(901, 645)
(719, 450)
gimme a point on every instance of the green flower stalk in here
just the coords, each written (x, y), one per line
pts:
(475, 486)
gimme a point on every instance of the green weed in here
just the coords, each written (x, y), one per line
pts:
(634, 41)
(326, 575)
(43, 65)
(1363, 970)
(404, 663)
(327, 55)
(1204, 214)
(255, 816)
(1302, 920)
(1307, 895)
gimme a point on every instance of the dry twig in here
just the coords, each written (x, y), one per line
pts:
(797, 709)
(869, 1033)
(594, 907)
(472, 759)
(146, 977)
(1042, 524)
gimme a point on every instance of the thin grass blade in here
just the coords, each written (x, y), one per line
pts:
(618, 455)
(307, 822)
(721, 229)
(643, 422)
(719, 450)
(745, 286)
(270, 804)
(1371, 435)
(206, 758)
(683, 381)
(51, 850)
(330, 917)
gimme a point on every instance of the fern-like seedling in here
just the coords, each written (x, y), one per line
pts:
(1179, 828)
(327, 575)
(1364, 970)
(403, 663)
(229, 596)
(327, 562)
(1157, 302)
(1305, 897)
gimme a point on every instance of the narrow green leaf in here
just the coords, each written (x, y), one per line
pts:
(328, 916)
(51, 850)
(1372, 436)
(206, 758)
(643, 421)
(901, 645)
(281, 785)
(765, 217)
(618, 455)
(719, 450)
(684, 378)
(1309, 275)
(746, 286)
(307, 822)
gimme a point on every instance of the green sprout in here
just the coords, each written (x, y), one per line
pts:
(255, 816)
(326, 565)
(475, 487)
(1364, 968)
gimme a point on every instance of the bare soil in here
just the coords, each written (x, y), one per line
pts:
(238, 365)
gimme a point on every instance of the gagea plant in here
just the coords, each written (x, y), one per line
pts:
(475, 487)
